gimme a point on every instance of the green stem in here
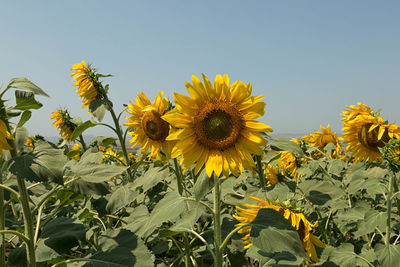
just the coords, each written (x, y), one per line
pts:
(178, 177)
(83, 143)
(396, 190)
(223, 245)
(217, 223)
(260, 171)
(2, 222)
(121, 139)
(389, 210)
(26, 211)
(187, 250)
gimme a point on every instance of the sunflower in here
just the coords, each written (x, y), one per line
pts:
(150, 129)
(4, 135)
(272, 175)
(288, 164)
(391, 153)
(321, 139)
(110, 156)
(217, 126)
(298, 220)
(86, 82)
(29, 143)
(366, 132)
(77, 147)
(353, 111)
(63, 123)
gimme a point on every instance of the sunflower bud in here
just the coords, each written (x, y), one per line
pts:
(391, 153)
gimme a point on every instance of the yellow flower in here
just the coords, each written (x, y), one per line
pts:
(77, 147)
(391, 153)
(85, 81)
(63, 123)
(298, 220)
(288, 164)
(321, 139)
(353, 111)
(29, 142)
(111, 156)
(4, 135)
(217, 127)
(365, 133)
(150, 129)
(272, 175)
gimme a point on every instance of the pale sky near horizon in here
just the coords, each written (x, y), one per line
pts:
(308, 58)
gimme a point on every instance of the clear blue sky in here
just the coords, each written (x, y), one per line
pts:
(309, 58)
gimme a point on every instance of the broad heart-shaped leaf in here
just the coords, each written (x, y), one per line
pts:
(90, 169)
(58, 237)
(120, 198)
(24, 83)
(283, 144)
(26, 100)
(203, 185)
(98, 108)
(275, 259)
(168, 209)
(320, 192)
(388, 256)
(44, 163)
(88, 188)
(121, 247)
(151, 177)
(372, 219)
(26, 115)
(137, 219)
(343, 256)
(81, 128)
(271, 232)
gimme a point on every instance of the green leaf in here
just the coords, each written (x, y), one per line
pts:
(20, 137)
(24, 83)
(26, 115)
(271, 232)
(168, 209)
(98, 108)
(81, 128)
(189, 218)
(283, 144)
(388, 256)
(44, 163)
(26, 100)
(88, 188)
(121, 247)
(103, 140)
(152, 177)
(320, 192)
(54, 242)
(203, 185)
(336, 166)
(372, 219)
(137, 218)
(120, 198)
(344, 256)
(90, 170)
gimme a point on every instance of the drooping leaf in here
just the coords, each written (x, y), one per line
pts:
(151, 178)
(203, 185)
(137, 219)
(81, 128)
(120, 198)
(24, 83)
(98, 108)
(26, 100)
(43, 164)
(88, 188)
(26, 115)
(283, 144)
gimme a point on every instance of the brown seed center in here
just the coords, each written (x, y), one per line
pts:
(154, 127)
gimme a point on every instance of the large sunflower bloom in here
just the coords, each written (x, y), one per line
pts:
(4, 135)
(63, 123)
(85, 81)
(366, 133)
(321, 139)
(217, 126)
(150, 129)
(298, 220)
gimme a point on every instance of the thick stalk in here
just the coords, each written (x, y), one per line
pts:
(121, 140)
(260, 171)
(217, 223)
(396, 190)
(26, 211)
(187, 249)
(389, 210)
(2, 222)
(82, 143)
(178, 177)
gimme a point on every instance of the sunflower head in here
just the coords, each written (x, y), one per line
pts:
(150, 130)
(289, 163)
(63, 122)
(391, 153)
(110, 156)
(4, 136)
(77, 147)
(303, 227)
(365, 133)
(321, 138)
(272, 175)
(217, 122)
(29, 142)
(87, 81)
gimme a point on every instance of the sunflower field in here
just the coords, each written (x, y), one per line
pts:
(201, 183)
